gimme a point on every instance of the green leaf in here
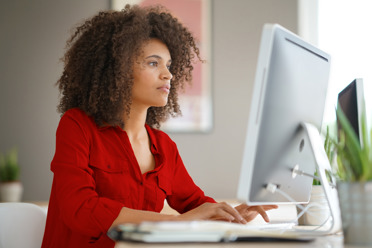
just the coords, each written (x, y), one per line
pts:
(9, 168)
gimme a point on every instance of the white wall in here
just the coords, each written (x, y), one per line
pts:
(32, 39)
(33, 34)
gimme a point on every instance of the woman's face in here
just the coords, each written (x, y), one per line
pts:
(151, 75)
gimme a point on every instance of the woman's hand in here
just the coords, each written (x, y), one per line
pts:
(207, 211)
(250, 212)
(214, 211)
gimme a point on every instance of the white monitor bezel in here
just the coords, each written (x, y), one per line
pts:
(254, 122)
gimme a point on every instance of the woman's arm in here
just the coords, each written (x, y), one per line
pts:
(74, 199)
(206, 211)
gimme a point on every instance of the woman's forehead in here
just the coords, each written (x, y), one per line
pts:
(155, 46)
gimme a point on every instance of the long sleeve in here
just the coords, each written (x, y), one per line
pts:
(83, 209)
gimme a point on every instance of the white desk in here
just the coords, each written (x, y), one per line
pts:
(285, 212)
(334, 241)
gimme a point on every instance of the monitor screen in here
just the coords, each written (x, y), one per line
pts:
(351, 99)
(290, 88)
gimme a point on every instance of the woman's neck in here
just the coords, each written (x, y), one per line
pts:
(135, 123)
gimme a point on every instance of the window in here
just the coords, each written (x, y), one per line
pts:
(343, 29)
(345, 32)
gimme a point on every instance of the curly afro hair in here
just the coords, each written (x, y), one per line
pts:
(98, 64)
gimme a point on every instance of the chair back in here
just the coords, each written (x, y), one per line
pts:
(21, 225)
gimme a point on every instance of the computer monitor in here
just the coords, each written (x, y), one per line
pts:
(351, 101)
(290, 88)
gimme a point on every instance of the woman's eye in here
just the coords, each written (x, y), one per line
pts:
(168, 66)
(153, 63)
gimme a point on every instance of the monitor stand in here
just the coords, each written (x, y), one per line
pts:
(329, 184)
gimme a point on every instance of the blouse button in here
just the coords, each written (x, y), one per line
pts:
(109, 166)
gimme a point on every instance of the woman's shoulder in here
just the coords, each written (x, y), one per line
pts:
(76, 122)
(77, 115)
(75, 112)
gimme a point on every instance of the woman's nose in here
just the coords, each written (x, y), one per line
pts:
(166, 74)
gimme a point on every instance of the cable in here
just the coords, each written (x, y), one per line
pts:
(272, 188)
(299, 172)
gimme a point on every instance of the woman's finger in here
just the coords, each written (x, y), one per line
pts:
(269, 207)
(263, 213)
(237, 217)
(250, 212)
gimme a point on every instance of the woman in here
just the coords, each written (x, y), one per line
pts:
(111, 165)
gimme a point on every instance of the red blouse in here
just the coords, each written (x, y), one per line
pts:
(96, 174)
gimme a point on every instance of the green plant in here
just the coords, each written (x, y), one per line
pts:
(9, 167)
(354, 158)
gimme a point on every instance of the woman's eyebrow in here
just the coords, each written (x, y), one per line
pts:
(157, 57)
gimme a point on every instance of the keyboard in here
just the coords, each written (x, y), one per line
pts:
(203, 231)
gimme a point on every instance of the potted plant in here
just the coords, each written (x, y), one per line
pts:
(11, 188)
(354, 172)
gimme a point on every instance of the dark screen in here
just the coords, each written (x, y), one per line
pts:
(347, 100)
